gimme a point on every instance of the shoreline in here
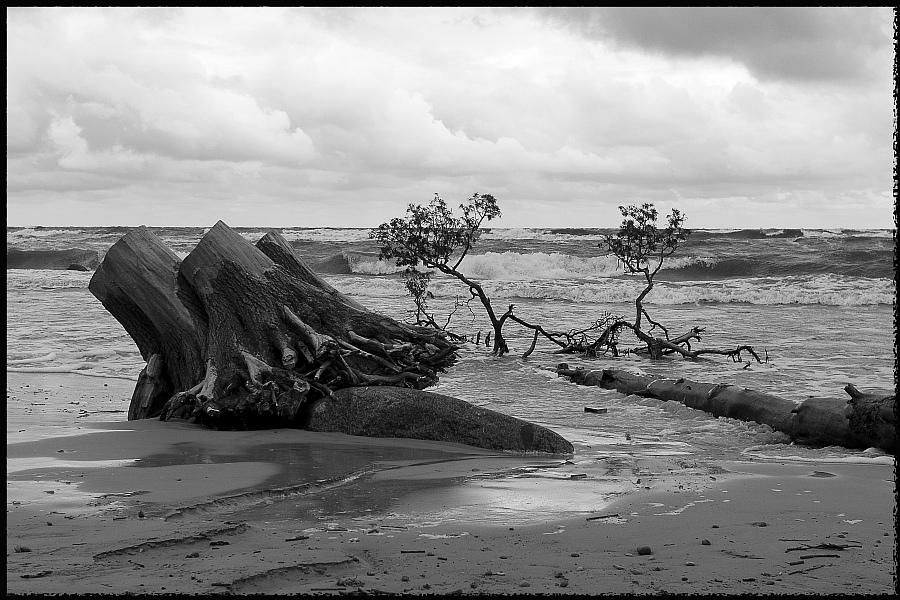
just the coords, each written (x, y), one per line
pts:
(289, 511)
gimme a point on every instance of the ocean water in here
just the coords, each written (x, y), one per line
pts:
(816, 304)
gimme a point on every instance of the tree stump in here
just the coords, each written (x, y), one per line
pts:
(243, 336)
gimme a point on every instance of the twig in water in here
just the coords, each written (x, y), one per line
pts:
(810, 569)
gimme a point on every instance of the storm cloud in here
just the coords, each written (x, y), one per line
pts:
(831, 44)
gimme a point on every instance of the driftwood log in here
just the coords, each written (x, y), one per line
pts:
(862, 421)
(244, 336)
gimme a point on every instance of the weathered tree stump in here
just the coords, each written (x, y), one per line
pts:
(244, 336)
(863, 421)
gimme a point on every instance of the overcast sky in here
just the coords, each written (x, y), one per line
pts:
(740, 117)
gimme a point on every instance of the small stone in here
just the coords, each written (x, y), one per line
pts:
(705, 542)
(404, 578)
(558, 575)
(524, 584)
(193, 555)
(49, 523)
(564, 583)
(473, 585)
(141, 514)
(715, 526)
(575, 555)
(684, 578)
(690, 564)
(761, 524)
(644, 550)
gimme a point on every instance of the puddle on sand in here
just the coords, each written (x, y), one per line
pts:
(297, 463)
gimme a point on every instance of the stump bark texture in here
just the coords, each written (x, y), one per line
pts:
(862, 421)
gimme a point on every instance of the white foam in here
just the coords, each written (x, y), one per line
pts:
(830, 290)
(29, 232)
(544, 235)
(326, 234)
(836, 233)
(48, 357)
(861, 459)
(538, 265)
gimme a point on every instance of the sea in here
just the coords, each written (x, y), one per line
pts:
(817, 305)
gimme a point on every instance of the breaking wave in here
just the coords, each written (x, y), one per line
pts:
(73, 259)
(510, 265)
(826, 290)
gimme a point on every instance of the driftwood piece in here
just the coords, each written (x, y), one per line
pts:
(401, 412)
(863, 421)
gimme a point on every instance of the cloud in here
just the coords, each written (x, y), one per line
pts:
(123, 86)
(792, 43)
(347, 115)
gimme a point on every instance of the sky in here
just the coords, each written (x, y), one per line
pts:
(341, 117)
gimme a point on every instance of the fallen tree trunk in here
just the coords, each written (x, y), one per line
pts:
(863, 421)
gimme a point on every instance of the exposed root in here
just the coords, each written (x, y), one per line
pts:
(315, 341)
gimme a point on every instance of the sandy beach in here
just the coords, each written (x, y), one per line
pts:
(102, 506)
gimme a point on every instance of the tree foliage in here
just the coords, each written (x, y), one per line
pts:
(639, 241)
(433, 235)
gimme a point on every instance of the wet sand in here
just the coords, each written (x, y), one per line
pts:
(149, 507)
